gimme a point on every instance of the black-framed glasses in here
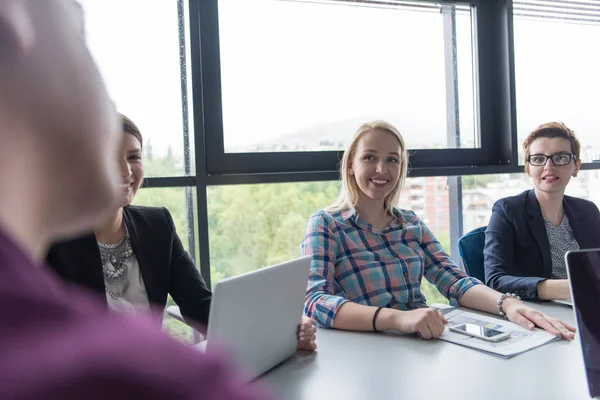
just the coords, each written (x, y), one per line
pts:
(559, 159)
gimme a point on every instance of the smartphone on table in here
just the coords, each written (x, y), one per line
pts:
(481, 332)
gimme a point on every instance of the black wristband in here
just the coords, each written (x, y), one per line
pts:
(375, 317)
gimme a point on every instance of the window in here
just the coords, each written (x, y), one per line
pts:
(271, 85)
(428, 198)
(557, 62)
(480, 192)
(181, 204)
(136, 44)
(253, 226)
(303, 75)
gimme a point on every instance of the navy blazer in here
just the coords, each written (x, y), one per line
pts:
(517, 251)
(165, 266)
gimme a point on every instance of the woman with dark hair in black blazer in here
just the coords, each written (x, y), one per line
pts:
(135, 258)
(529, 234)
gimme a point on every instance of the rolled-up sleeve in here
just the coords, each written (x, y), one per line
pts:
(441, 271)
(321, 304)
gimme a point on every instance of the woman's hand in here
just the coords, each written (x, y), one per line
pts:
(307, 335)
(426, 322)
(528, 318)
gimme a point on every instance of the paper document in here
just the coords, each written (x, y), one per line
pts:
(520, 340)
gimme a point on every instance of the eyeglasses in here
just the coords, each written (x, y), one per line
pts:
(560, 159)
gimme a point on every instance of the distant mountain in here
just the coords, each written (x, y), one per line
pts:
(335, 135)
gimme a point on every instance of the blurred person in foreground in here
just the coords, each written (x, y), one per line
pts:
(58, 135)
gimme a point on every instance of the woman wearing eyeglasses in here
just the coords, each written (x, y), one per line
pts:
(529, 234)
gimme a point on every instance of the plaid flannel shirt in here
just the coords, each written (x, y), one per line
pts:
(353, 261)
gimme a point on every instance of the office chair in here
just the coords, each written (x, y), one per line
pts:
(470, 248)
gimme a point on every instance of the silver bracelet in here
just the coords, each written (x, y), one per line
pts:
(503, 297)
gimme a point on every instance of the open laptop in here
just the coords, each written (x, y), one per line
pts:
(254, 317)
(583, 269)
(566, 302)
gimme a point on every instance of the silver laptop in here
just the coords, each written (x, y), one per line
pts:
(566, 302)
(254, 317)
(583, 269)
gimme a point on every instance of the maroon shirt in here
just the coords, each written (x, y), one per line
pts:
(56, 342)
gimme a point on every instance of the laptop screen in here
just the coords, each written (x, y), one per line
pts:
(584, 273)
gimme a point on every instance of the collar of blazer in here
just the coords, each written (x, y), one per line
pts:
(538, 231)
(580, 224)
(142, 245)
(534, 209)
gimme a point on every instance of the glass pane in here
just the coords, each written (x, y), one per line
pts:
(303, 75)
(480, 192)
(254, 226)
(556, 63)
(177, 201)
(136, 46)
(429, 198)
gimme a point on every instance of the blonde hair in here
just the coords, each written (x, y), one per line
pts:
(349, 193)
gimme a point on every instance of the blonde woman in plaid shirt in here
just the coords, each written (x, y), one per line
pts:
(369, 256)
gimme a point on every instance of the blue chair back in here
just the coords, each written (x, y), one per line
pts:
(470, 248)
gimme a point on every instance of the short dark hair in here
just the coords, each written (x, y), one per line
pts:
(130, 127)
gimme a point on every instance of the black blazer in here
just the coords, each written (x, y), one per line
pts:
(165, 266)
(517, 252)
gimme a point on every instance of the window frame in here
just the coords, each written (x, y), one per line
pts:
(495, 101)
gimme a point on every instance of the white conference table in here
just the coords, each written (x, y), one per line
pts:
(367, 365)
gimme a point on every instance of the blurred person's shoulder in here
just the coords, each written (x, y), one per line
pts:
(57, 342)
